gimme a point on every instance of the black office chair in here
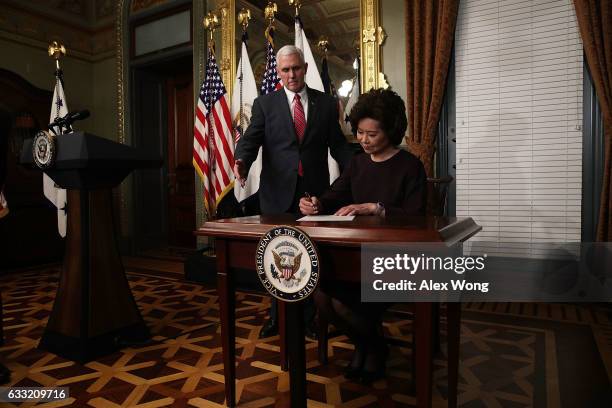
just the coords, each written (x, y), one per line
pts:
(437, 190)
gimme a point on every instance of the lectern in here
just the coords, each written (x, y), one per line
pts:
(94, 310)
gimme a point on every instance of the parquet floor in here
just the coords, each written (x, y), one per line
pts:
(512, 355)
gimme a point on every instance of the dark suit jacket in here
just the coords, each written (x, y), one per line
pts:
(272, 128)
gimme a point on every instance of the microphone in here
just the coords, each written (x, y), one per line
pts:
(70, 118)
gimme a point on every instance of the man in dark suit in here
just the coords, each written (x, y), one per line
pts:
(295, 127)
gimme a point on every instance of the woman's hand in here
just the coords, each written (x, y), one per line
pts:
(310, 205)
(359, 209)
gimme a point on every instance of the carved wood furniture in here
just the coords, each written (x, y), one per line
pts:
(339, 246)
(94, 311)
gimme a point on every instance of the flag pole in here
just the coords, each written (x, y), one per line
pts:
(51, 190)
(323, 45)
(243, 19)
(298, 4)
(270, 15)
(214, 146)
(211, 23)
(56, 51)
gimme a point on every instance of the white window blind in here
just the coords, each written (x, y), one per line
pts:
(519, 123)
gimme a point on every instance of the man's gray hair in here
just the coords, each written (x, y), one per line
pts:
(290, 50)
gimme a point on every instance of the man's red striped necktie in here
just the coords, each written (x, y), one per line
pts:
(299, 121)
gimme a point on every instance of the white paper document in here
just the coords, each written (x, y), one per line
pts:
(327, 218)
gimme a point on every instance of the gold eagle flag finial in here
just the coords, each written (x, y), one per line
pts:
(297, 4)
(243, 18)
(323, 44)
(211, 23)
(270, 12)
(56, 51)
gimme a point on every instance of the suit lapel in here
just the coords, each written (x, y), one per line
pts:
(286, 112)
(312, 108)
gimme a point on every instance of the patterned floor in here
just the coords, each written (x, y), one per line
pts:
(512, 355)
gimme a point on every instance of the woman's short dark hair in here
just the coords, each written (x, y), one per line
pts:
(387, 108)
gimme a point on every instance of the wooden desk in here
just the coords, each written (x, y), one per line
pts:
(339, 246)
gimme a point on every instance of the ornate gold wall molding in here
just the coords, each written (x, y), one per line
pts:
(35, 27)
(200, 52)
(122, 54)
(372, 38)
(139, 5)
(227, 12)
(120, 68)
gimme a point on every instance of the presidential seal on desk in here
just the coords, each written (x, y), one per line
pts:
(44, 149)
(287, 263)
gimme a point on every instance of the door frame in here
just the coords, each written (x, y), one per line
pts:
(147, 64)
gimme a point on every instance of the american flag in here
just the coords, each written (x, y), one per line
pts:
(271, 82)
(213, 142)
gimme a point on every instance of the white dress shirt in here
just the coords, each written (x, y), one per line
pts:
(304, 99)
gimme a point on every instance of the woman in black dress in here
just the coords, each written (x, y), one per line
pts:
(383, 181)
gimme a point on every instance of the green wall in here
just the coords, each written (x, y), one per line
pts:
(87, 85)
(394, 48)
(104, 98)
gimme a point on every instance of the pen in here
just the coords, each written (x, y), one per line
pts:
(307, 195)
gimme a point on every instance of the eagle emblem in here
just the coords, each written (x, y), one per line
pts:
(44, 149)
(287, 263)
